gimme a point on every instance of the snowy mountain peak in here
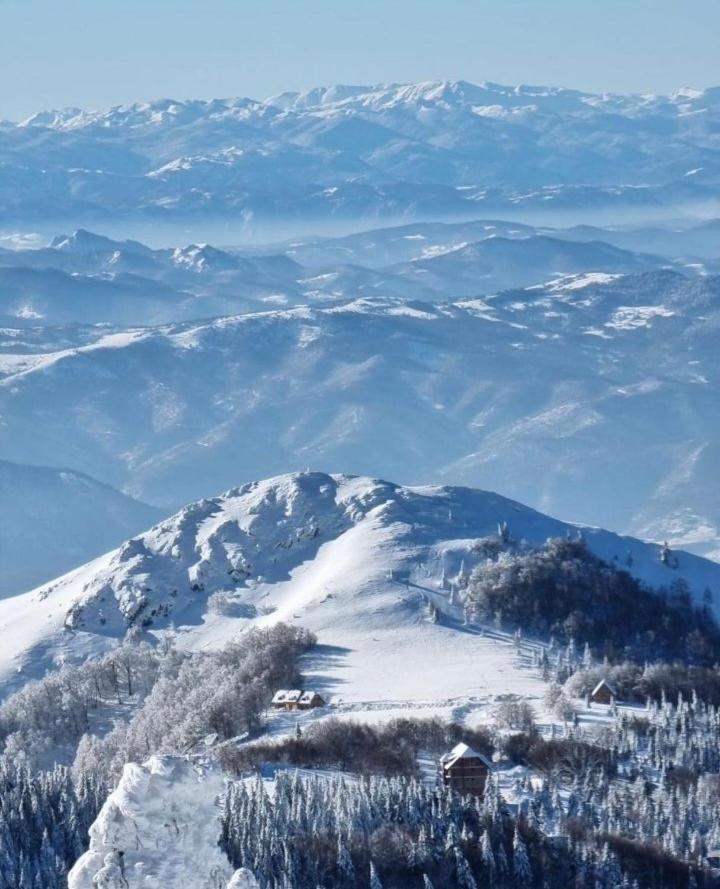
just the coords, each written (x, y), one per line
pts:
(340, 551)
(82, 241)
(86, 243)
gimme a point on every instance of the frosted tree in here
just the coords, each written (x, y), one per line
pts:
(345, 868)
(665, 553)
(521, 863)
(463, 874)
(504, 532)
(488, 857)
(243, 879)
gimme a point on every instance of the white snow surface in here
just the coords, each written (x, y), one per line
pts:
(357, 560)
(158, 829)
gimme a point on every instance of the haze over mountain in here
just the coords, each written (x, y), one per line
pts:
(592, 397)
(52, 520)
(89, 278)
(362, 152)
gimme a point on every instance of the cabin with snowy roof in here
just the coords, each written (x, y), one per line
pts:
(309, 700)
(465, 770)
(603, 693)
(296, 699)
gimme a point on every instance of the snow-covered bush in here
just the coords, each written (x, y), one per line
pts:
(228, 604)
(516, 714)
(222, 692)
(563, 708)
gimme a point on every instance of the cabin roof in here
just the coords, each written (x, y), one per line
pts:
(294, 696)
(462, 751)
(603, 682)
(287, 696)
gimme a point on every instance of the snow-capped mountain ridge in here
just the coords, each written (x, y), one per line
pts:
(341, 554)
(458, 92)
(400, 150)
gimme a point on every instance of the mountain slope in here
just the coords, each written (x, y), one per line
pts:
(357, 560)
(590, 396)
(52, 520)
(498, 263)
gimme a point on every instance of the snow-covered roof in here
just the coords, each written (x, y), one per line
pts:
(287, 696)
(606, 684)
(463, 751)
(294, 696)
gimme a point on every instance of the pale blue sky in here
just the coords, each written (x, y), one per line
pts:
(94, 53)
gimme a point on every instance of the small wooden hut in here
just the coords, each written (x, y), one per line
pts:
(309, 700)
(296, 699)
(603, 693)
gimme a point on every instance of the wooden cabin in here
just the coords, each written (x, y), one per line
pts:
(296, 699)
(603, 693)
(309, 700)
(465, 770)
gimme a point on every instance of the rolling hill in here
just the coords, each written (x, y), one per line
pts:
(591, 396)
(52, 520)
(356, 560)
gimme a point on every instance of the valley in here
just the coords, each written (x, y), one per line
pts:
(359, 516)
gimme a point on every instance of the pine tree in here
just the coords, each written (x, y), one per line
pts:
(521, 863)
(488, 858)
(345, 867)
(463, 874)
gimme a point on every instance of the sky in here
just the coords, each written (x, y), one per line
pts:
(97, 53)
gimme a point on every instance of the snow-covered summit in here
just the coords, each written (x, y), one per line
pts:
(340, 554)
(362, 151)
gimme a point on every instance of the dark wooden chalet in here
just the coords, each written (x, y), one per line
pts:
(465, 770)
(310, 699)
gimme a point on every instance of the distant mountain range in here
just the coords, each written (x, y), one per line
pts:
(88, 278)
(592, 397)
(410, 150)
